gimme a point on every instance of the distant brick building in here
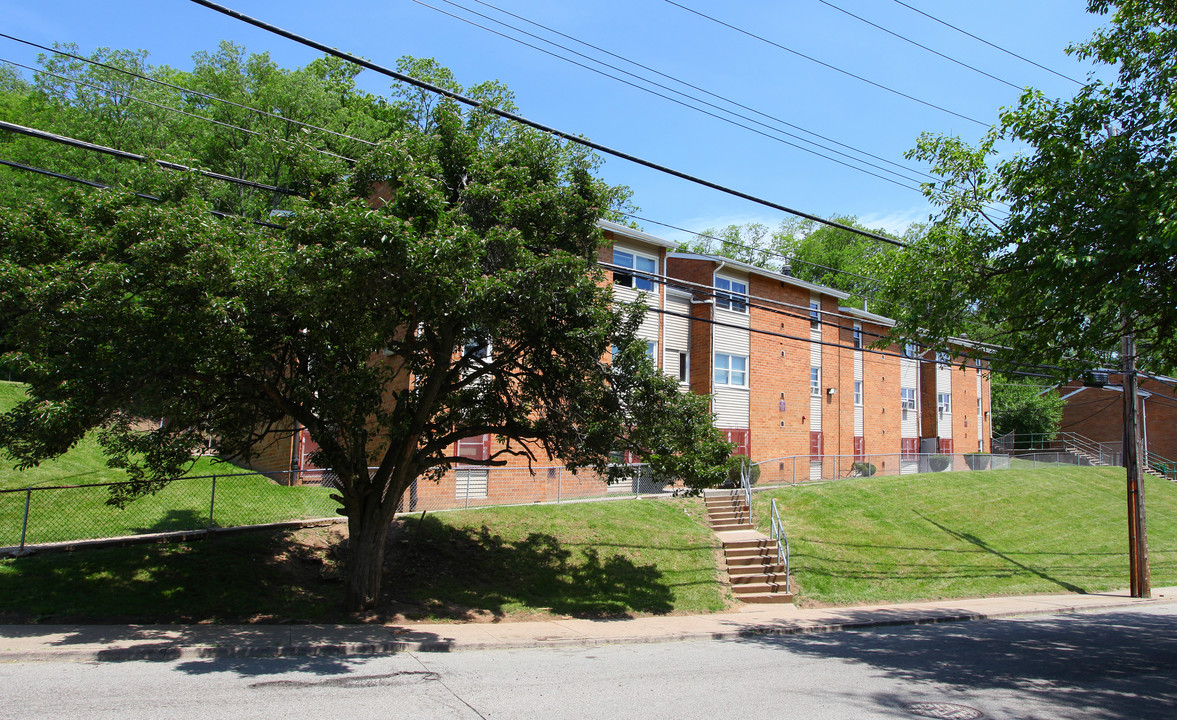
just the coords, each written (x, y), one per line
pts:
(789, 371)
(1097, 413)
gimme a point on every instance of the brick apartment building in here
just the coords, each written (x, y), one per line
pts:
(793, 381)
(1097, 413)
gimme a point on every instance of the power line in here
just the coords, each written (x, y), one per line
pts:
(677, 92)
(458, 97)
(184, 89)
(63, 140)
(983, 40)
(919, 45)
(169, 108)
(103, 186)
(674, 100)
(777, 45)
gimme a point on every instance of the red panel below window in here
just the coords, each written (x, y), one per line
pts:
(816, 446)
(742, 439)
(859, 448)
(946, 446)
(474, 448)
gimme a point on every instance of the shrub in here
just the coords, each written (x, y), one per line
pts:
(939, 463)
(735, 466)
(864, 469)
(977, 461)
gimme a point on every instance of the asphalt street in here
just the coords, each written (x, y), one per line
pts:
(1113, 664)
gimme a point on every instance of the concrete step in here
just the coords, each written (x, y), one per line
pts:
(727, 515)
(766, 597)
(757, 578)
(756, 562)
(749, 545)
(769, 567)
(741, 589)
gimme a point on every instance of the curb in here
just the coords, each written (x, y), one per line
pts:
(166, 652)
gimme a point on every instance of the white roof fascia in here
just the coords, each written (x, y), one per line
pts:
(618, 229)
(868, 316)
(788, 279)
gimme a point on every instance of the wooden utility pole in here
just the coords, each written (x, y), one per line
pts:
(1139, 580)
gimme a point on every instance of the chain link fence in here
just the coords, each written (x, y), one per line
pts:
(67, 513)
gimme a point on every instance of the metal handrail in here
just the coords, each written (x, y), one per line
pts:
(782, 542)
(746, 485)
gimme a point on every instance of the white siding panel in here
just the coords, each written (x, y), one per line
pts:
(858, 422)
(733, 340)
(815, 413)
(731, 407)
(909, 424)
(944, 385)
(677, 329)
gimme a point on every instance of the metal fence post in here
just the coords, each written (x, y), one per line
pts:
(794, 469)
(212, 500)
(24, 528)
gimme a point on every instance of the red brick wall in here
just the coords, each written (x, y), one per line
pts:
(1098, 415)
(779, 370)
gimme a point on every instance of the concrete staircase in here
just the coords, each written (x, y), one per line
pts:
(750, 555)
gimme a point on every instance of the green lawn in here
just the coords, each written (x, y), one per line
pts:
(948, 535)
(609, 559)
(81, 513)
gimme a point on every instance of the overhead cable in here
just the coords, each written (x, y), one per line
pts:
(812, 59)
(514, 117)
(169, 108)
(682, 94)
(920, 45)
(186, 90)
(61, 139)
(983, 40)
(104, 186)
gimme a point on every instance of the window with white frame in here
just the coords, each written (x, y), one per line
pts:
(815, 381)
(652, 351)
(814, 314)
(638, 263)
(684, 367)
(731, 370)
(858, 392)
(857, 336)
(732, 295)
(943, 357)
(907, 399)
(944, 403)
(910, 350)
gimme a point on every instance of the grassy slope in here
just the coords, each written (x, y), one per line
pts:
(56, 515)
(1007, 532)
(613, 559)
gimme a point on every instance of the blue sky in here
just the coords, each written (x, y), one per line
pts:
(676, 42)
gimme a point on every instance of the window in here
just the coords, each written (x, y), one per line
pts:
(857, 337)
(942, 357)
(944, 403)
(684, 367)
(907, 399)
(652, 351)
(910, 350)
(978, 405)
(815, 381)
(814, 314)
(858, 392)
(639, 263)
(733, 295)
(478, 348)
(731, 370)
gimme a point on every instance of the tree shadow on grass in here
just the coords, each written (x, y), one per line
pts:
(439, 571)
(174, 520)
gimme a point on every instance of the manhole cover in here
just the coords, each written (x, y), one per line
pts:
(944, 711)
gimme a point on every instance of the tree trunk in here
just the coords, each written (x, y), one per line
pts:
(367, 533)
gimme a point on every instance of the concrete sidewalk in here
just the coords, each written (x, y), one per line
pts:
(170, 642)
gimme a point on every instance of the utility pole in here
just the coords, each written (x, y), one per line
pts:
(1139, 580)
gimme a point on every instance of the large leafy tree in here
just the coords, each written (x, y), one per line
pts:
(446, 286)
(1085, 248)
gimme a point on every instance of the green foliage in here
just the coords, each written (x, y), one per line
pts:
(1026, 408)
(1087, 249)
(864, 469)
(811, 251)
(736, 466)
(360, 323)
